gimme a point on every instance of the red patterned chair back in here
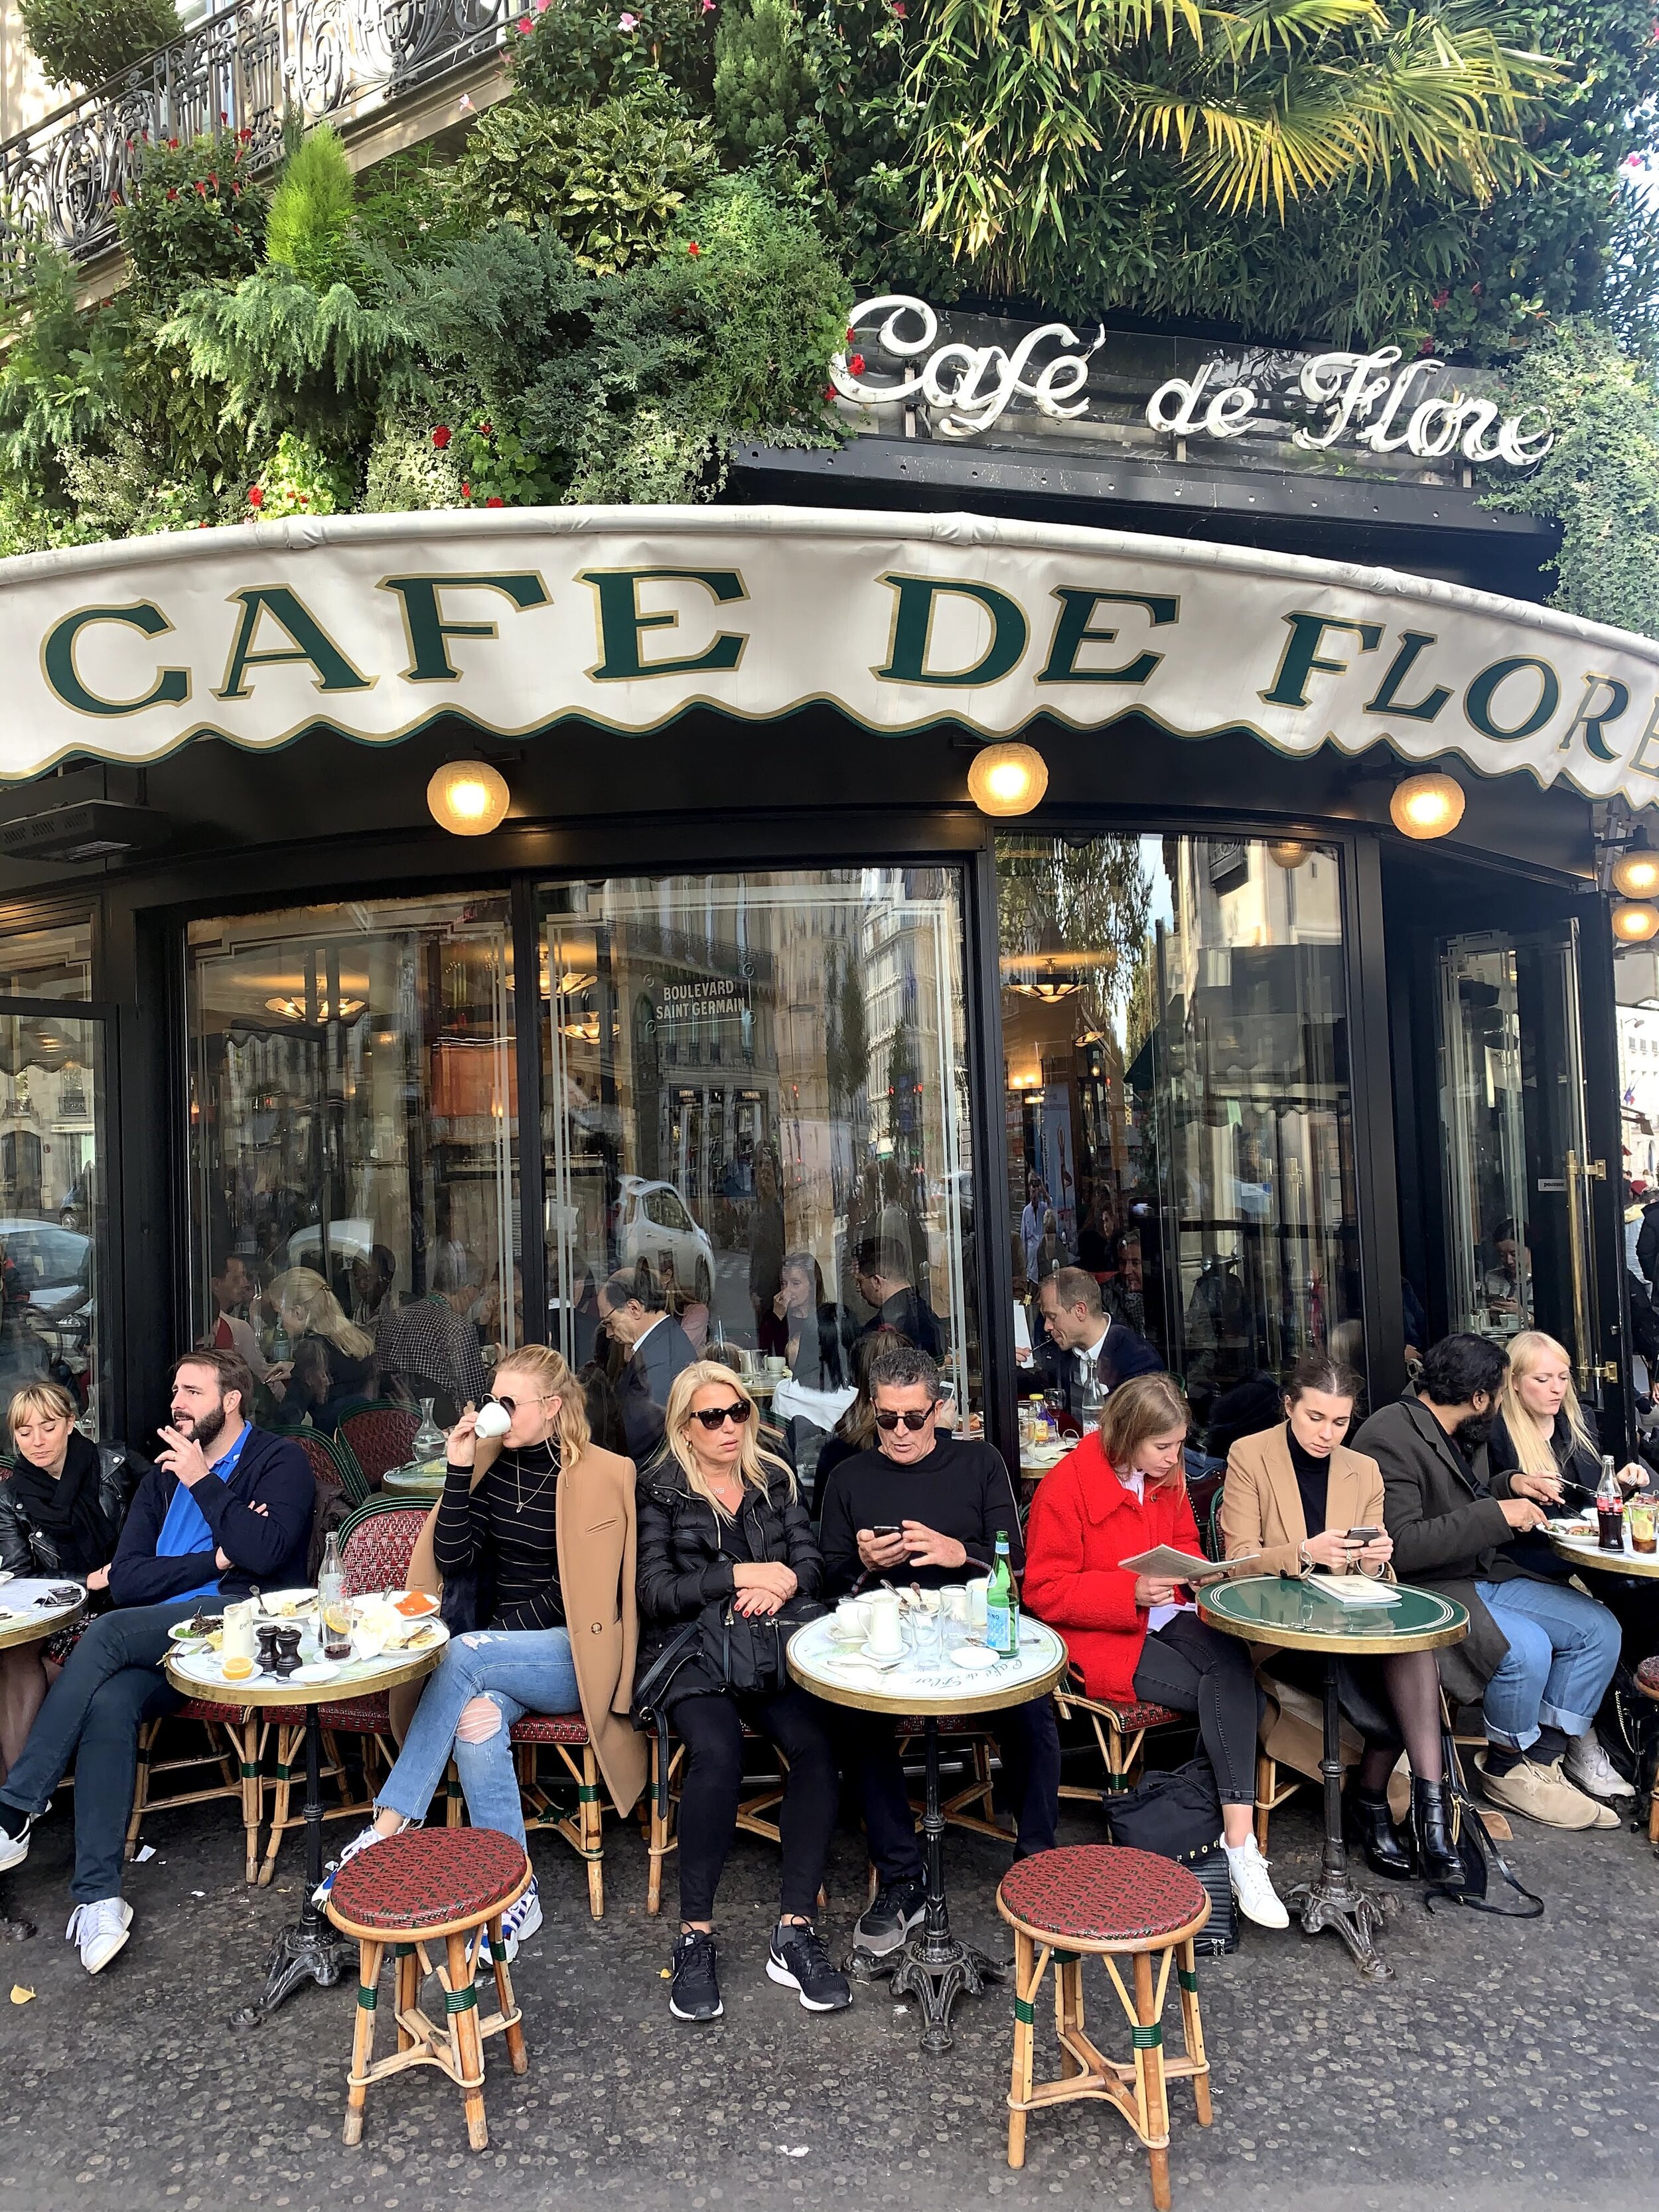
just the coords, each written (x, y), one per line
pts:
(380, 1437)
(377, 1543)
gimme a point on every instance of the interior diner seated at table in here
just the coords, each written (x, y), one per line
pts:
(1296, 1500)
(1135, 1636)
(1539, 1654)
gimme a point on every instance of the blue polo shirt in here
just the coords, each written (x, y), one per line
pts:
(185, 1529)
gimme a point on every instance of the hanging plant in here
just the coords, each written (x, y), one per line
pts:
(84, 41)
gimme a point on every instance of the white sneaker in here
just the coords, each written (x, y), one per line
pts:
(360, 1842)
(1258, 1900)
(1588, 1767)
(14, 1848)
(100, 1930)
(519, 1922)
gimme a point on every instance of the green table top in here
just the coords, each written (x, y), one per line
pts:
(1295, 1615)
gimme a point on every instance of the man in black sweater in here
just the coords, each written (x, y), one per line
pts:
(948, 1500)
(225, 1507)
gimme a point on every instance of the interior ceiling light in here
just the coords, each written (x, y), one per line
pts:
(1636, 922)
(1286, 852)
(1007, 779)
(468, 797)
(1426, 806)
(1636, 871)
(294, 1010)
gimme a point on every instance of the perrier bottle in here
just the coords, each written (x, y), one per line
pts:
(1002, 1604)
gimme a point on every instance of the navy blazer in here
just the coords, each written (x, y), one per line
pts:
(270, 1548)
(1124, 1355)
(645, 1382)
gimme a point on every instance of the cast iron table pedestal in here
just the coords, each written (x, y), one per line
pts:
(309, 1949)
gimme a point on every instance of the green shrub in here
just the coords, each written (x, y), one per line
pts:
(609, 180)
(574, 51)
(309, 227)
(761, 83)
(301, 479)
(84, 41)
(193, 217)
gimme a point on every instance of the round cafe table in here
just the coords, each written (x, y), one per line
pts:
(1583, 1551)
(308, 1949)
(413, 1482)
(1294, 1614)
(27, 1616)
(933, 1965)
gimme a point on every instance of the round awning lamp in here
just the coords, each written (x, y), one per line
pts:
(468, 797)
(1636, 922)
(1426, 806)
(1007, 779)
(1286, 852)
(1636, 871)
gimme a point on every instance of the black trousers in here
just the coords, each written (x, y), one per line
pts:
(1193, 1668)
(111, 1684)
(711, 1729)
(1028, 1740)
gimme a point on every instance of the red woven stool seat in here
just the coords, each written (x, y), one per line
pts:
(1647, 1677)
(549, 1727)
(1096, 1893)
(369, 1715)
(204, 1709)
(427, 1877)
(1132, 1716)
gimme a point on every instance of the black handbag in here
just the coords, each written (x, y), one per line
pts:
(719, 1653)
(1178, 1816)
(1478, 1856)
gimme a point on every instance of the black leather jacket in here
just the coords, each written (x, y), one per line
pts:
(682, 1567)
(27, 1550)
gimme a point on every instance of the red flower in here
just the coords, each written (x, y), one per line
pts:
(255, 496)
(466, 491)
(171, 194)
(213, 179)
(486, 429)
(305, 498)
(441, 436)
(1439, 301)
(828, 391)
(172, 145)
(898, 7)
(1427, 346)
(223, 117)
(1474, 291)
(495, 499)
(693, 249)
(201, 188)
(851, 337)
(856, 362)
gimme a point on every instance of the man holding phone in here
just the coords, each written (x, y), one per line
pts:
(927, 1509)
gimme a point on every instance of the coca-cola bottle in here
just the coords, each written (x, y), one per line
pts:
(1609, 1508)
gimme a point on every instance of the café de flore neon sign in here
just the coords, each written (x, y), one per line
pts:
(1366, 398)
(517, 620)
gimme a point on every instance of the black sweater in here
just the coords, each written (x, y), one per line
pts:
(961, 1489)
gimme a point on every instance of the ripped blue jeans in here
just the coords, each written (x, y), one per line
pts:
(519, 1670)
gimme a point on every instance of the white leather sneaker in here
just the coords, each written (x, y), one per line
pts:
(1253, 1888)
(1588, 1767)
(100, 1930)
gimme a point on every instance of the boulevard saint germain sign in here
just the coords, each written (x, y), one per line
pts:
(625, 617)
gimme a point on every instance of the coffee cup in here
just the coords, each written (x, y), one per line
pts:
(237, 1641)
(493, 1420)
(851, 1620)
(978, 1591)
(776, 1365)
(886, 1625)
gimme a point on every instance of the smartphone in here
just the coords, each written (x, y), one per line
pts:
(887, 1529)
(1363, 1535)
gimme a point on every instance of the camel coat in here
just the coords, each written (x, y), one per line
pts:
(597, 1545)
(1262, 1507)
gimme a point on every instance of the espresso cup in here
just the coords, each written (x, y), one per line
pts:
(494, 1419)
(851, 1620)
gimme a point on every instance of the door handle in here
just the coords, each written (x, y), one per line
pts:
(1577, 1169)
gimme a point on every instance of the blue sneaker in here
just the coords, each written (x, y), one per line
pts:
(519, 1920)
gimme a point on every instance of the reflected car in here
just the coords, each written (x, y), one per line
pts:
(653, 1222)
(347, 1241)
(52, 1266)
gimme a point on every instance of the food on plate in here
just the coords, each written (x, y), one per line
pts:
(414, 1605)
(236, 1669)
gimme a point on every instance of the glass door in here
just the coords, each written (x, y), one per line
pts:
(1514, 1140)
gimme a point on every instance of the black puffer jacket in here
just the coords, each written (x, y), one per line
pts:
(27, 1549)
(682, 1567)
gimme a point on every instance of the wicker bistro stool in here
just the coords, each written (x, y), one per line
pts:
(1091, 1898)
(415, 1892)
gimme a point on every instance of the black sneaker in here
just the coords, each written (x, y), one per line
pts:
(896, 1909)
(799, 1961)
(695, 1993)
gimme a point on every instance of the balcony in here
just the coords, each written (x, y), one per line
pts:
(347, 62)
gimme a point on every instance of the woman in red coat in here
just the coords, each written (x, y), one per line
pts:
(1132, 1636)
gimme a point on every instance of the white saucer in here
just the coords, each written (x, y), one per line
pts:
(975, 1657)
(883, 1659)
(316, 1670)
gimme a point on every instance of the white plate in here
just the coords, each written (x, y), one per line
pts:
(319, 1670)
(271, 1602)
(883, 1659)
(975, 1657)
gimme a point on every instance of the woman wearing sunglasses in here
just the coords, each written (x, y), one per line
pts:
(532, 1539)
(721, 1524)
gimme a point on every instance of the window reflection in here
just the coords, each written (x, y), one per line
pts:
(1178, 1105)
(757, 1096)
(353, 1116)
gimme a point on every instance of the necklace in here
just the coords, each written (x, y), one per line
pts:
(551, 1470)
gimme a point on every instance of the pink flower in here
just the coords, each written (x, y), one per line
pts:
(628, 23)
(255, 496)
(442, 436)
(898, 7)
(525, 27)
(707, 7)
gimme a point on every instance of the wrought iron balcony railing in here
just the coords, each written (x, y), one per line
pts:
(334, 59)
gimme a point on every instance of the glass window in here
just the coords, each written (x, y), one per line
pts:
(53, 963)
(52, 1215)
(1179, 1114)
(352, 1117)
(756, 1093)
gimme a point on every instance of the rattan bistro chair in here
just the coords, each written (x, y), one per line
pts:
(378, 1437)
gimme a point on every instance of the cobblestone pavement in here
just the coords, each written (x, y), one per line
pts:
(1511, 2066)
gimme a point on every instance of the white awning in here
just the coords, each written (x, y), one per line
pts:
(515, 619)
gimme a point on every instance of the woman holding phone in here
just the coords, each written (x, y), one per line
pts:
(1296, 1501)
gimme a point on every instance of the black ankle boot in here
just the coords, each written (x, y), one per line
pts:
(1387, 1851)
(1437, 1854)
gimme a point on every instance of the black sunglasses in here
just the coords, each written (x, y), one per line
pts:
(716, 1416)
(912, 1421)
(511, 1405)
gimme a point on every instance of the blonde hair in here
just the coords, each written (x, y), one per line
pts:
(1149, 1406)
(553, 1379)
(47, 1402)
(301, 1291)
(1534, 1452)
(756, 1465)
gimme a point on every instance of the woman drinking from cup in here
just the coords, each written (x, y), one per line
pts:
(1297, 1501)
(60, 1514)
(722, 1529)
(532, 1538)
(1138, 1637)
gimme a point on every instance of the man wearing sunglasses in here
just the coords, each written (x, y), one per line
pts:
(927, 1508)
